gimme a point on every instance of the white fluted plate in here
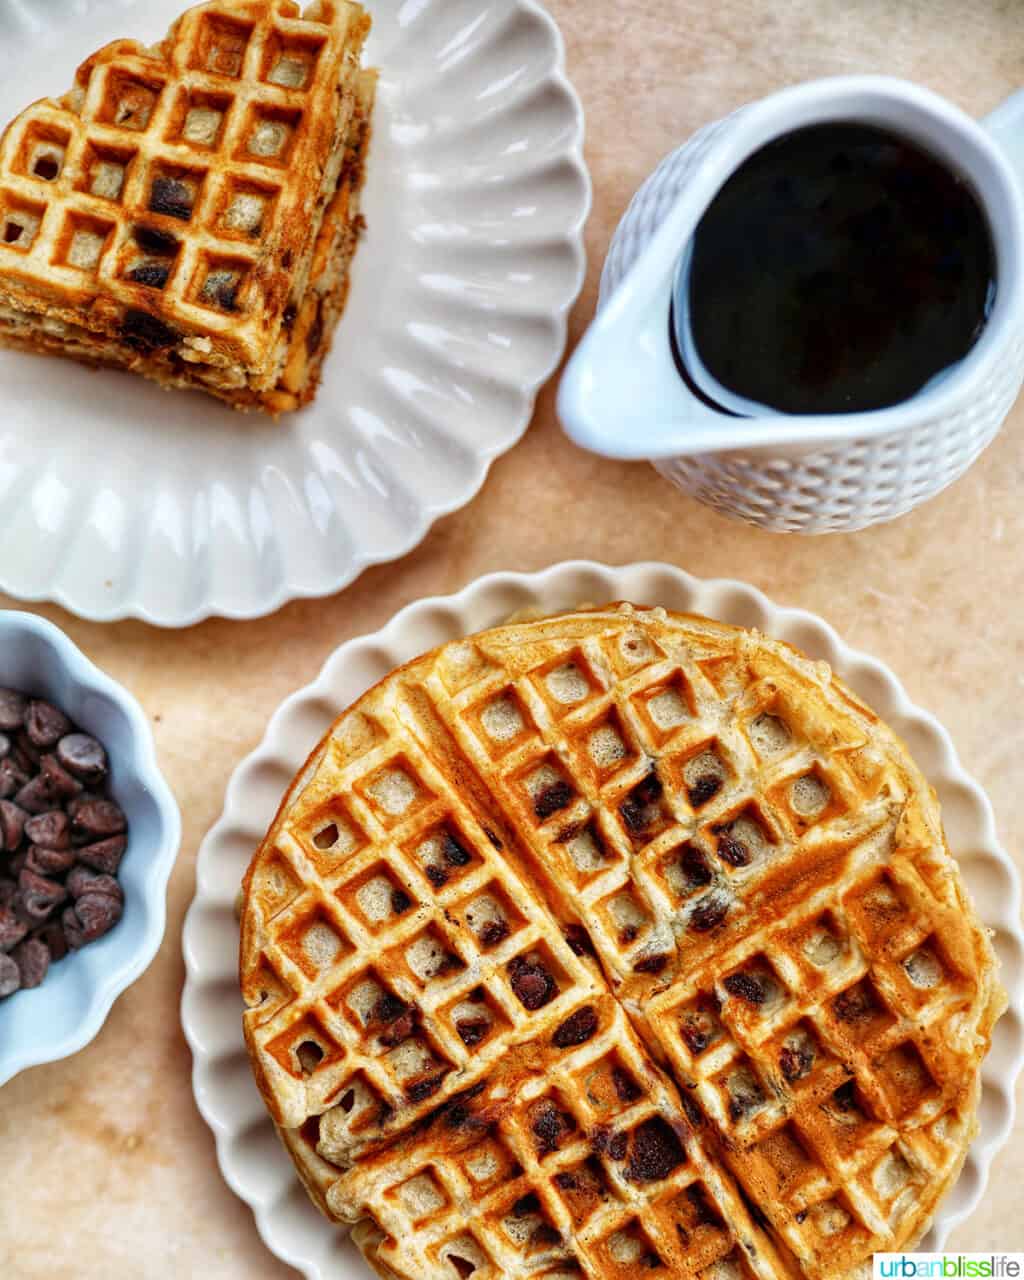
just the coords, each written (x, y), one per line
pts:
(252, 1159)
(118, 499)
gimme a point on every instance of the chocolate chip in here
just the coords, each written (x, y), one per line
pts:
(549, 1127)
(145, 333)
(400, 901)
(437, 876)
(626, 1087)
(656, 1153)
(694, 866)
(47, 168)
(172, 198)
(696, 1035)
(52, 934)
(557, 796)
(39, 794)
(655, 963)
(389, 1008)
(424, 1089)
(33, 959)
(545, 1235)
(455, 855)
(399, 1031)
(493, 838)
(12, 778)
(457, 1112)
(93, 915)
(853, 1005)
(81, 881)
(493, 932)
(618, 1144)
(10, 976)
(104, 855)
(709, 913)
(733, 851)
(96, 820)
(577, 1029)
(533, 985)
(12, 929)
(651, 1261)
(579, 940)
(52, 829)
(12, 710)
(222, 290)
(845, 1097)
(12, 825)
(154, 275)
(706, 1214)
(705, 788)
(39, 894)
(566, 1181)
(64, 785)
(49, 862)
(153, 240)
(629, 934)
(290, 316)
(25, 753)
(746, 987)
(526, 1205)
(649, 789)
(472, 1030)
(796, 1062)
(633, 815)
(744, 1097)
(45, 723)
(637, 808)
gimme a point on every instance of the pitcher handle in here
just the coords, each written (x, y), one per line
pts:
(1006, 126)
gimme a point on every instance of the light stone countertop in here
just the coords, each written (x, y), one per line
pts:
(108, 1171)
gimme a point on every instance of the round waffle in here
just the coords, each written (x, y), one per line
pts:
(616, 940)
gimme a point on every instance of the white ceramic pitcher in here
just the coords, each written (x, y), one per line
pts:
(622, 395)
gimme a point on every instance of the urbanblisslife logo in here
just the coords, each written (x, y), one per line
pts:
(949, 1266)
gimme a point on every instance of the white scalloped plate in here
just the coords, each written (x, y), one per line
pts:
(251, 1157)
(120, 500)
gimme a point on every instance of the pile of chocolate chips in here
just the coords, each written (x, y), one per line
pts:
(61, 841)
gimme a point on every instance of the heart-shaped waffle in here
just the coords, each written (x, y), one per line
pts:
(615, 940)
(190, 211)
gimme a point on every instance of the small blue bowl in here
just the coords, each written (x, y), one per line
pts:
(65, 1013)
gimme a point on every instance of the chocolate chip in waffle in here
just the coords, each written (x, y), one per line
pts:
(190, 211)
(616, 940)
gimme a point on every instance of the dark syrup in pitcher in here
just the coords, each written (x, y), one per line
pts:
(839, 270)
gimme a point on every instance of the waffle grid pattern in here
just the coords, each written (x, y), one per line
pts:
(647, 792)
(167, 182)
(535, 1182)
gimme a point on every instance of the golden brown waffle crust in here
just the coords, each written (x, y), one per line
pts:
(901, 1015)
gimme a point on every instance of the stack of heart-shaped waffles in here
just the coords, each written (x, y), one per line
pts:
(190, 211)
(616, 940)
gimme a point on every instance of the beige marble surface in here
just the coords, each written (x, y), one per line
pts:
(108, 1171)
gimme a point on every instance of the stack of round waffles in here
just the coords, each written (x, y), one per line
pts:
(612, 942)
